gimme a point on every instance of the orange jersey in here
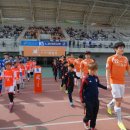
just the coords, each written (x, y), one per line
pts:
(117, 66)
(34, 64)
(77, 63)
(8, 76)
(22, 69)
(28, 67)
(16, 73)
(70, 60)
(84, 65)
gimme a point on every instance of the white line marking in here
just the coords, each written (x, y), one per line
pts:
(56, 124)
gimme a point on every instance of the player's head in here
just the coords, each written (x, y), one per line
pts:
(10, 57)
(71, 55)
(6, 55)
(15, 63)
(81, 56)
(71, 67)
(119, 48)
(8, 65)
(92, 68)
(88, 55)
(65, 63)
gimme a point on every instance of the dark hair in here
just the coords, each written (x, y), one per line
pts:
(6, 53)
(65, 62)
(87, 53)
(81, 56)
(71, 65)
(8, 63)
(92, 66)
(119, 44)
(10, 56)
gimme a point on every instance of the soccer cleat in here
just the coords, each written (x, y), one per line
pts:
(11, 107)
(121, 126)
(71, 104)
(66, 91)
(86, 126)
(109, 110)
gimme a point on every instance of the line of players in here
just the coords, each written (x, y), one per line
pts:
(60, 67)
(13, 73)
(70, 68)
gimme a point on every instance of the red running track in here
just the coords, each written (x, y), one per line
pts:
(51, 110)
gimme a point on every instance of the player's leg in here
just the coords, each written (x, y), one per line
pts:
(118, 93)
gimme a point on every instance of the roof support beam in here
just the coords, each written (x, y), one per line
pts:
(110, 2)
(58, 11)
(1, 16)
(32, 11)
(122, 14)
(91, 11)
(85, 15)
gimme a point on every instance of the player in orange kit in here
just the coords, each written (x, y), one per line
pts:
(8, 78)
(70, 59)
(116, 67)
(84, 64)
(17, 76)
(77, 63)
(22, 73)
(28, 69)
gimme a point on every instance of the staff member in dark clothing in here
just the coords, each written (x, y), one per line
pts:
(64, 72)
(60, 68)
(89, 96)
(70, 76)
(55, 69)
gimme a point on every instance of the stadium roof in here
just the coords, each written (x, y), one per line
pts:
(84, 12)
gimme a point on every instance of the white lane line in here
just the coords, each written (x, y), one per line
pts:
(58, 123)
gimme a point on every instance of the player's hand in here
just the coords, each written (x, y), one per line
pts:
(83, 104)
(109, 87)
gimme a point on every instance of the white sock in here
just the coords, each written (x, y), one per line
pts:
(118, 113)
(111, 103)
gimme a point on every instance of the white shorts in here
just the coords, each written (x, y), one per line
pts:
(10, 89)
(78, 74)
(18, 81)
(118, 90)
(14, 83)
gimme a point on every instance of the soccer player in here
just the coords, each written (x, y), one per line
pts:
(116, 67)
(8, 78)
(84, 64)
(16, 71)
(70, 59)
(77, 63)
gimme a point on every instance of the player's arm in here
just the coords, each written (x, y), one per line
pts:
(108, 69)
(128, 68)
(83, 84)
(100, 85)
(81, 69)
